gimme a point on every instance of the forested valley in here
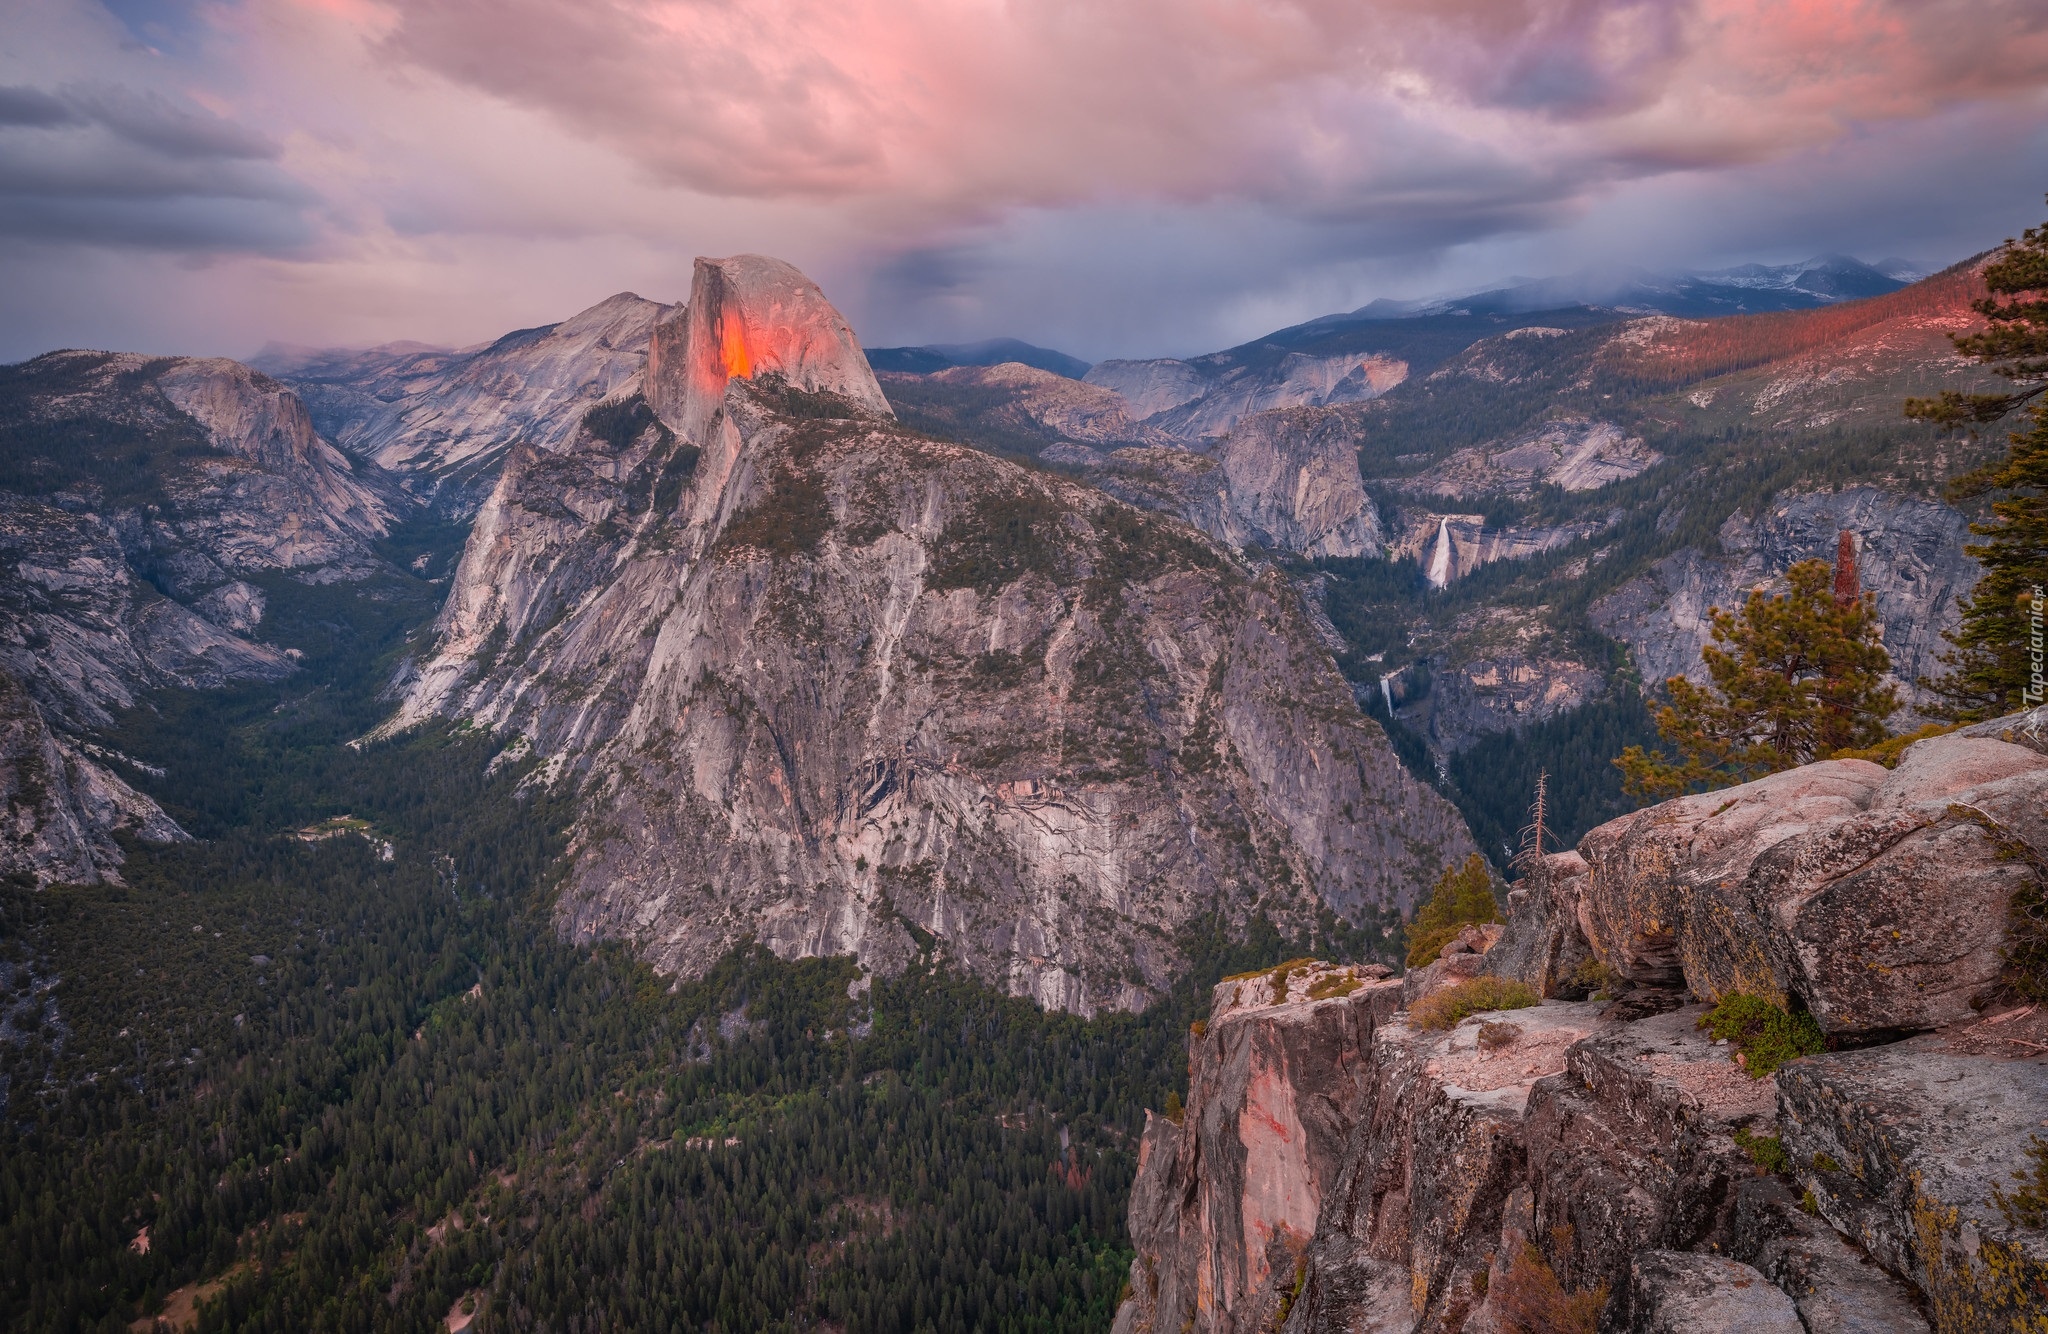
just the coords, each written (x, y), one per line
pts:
(330, 1067)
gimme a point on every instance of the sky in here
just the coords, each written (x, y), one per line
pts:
(1109, 177)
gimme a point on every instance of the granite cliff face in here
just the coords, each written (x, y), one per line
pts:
(443, 420)
(1909, 553)
(1571, 453)
(1581, 1164)
(1285, 481)
(827, 684)
(142, 495)
(1018, 409)
(60, 807)
(1206, 397)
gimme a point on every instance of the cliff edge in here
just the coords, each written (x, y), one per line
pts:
(1355, 1156)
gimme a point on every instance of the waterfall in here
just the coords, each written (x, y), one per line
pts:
(1387, 694)
(1440, 561)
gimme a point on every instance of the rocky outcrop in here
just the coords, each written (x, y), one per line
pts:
(1205, 398)
(752, 316)
(1572, 453)
(1060, 419)
(1902, 1148)
(1285, 481)
(1836, 1286)
(821, 682)
(1230, 1194)
(443, 420)
(1683, 1292)
(1543, 945)
(147, 491)
(1606, 1163)
(1909, 554)
(61, 809)
(1875, 899)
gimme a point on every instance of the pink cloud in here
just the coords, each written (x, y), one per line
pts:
(967, 105)
(1124, 177)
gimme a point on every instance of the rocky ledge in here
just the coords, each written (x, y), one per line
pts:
(1350, 1158)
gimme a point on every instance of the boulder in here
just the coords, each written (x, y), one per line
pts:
(1902, 1147)
(1657, 907)
(1894, 919)
(1462, 958)
(1543, 945)
(1630, 1148)
(1680, 1292)
(1837, 1288)
(1876, 899)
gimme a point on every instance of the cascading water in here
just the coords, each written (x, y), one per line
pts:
(1387, 694)
(1439, 572)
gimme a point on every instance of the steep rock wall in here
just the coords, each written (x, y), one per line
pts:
(1876, 899)
(443, 420)
(59, 809)
(843, 681)
(1909, 554)
(118, 581)
(1285, 481)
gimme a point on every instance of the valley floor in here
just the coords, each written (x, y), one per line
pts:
(330, 1067)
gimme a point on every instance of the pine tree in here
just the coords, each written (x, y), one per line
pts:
(1994, 660)
(1792, 679)
(1462, 897)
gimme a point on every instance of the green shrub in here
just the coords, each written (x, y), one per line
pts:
(1766, 1151)
(1888, 751)
(1764, 1035)
(1293, 1294)
(1336, 984)
(1452, 1005)
(1463, 897)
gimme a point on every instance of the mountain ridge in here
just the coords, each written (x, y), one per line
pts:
(844, 684)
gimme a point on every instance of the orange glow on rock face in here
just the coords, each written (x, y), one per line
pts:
(738, 365)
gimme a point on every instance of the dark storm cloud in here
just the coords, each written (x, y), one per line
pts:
(34, 107)
(1142, 176)
(116, 166)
